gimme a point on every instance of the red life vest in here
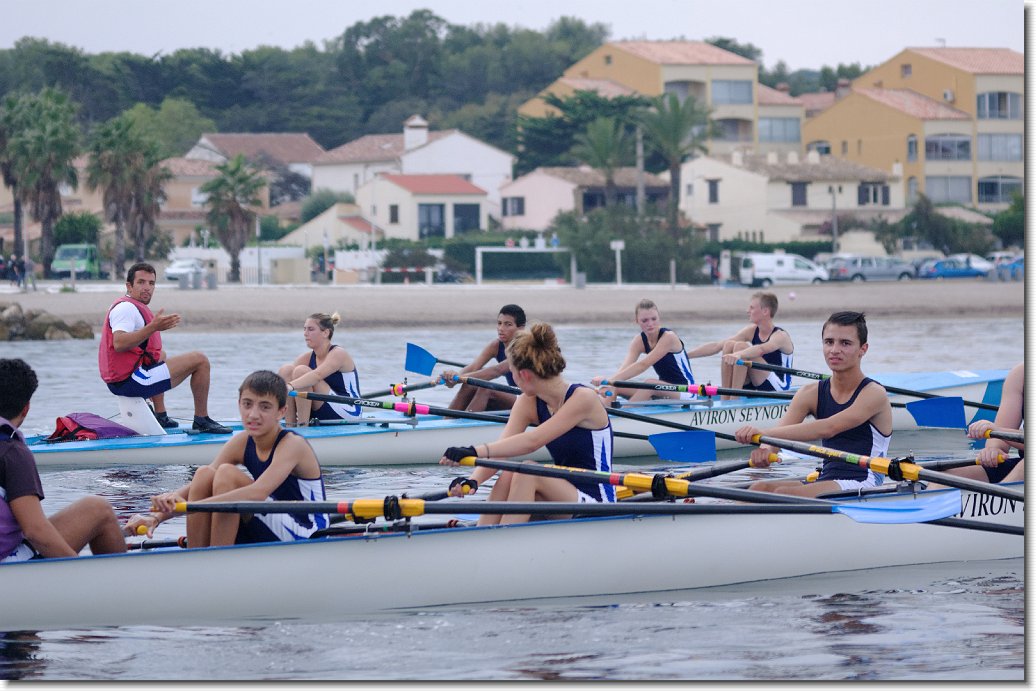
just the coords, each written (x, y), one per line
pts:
(117, 366)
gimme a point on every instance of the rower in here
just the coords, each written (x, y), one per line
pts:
(509, 321)
(326, 368)
(1009, 418)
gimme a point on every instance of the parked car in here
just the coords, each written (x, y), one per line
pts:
(869, 269)
(1013, 270)
(183, 267)
(980, 263)
(84, 258)
(949, 268)
(1001, 257)
(921, 261)
(766, 269)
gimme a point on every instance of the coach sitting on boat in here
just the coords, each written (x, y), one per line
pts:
(26, 532)
(470, 398)
(852, 413)
(570, 421)
(133, 363)
(326, 368)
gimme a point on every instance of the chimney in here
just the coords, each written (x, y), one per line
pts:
(784, 88)
(771, 157)
(813, 156)
(737, 159)
(793, 157)
(415, 132)
(843, 88)
(897, 169)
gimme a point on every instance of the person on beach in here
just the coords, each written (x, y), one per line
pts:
(470, 398)
(280, 466)
(26, 533)
(326, 368)
(1010, 418)
(131, 359)
(851, 413)
(569, 419)
(661, 349)
(759, 341)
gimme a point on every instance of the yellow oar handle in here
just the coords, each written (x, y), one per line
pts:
(180, 507)
(141, 530)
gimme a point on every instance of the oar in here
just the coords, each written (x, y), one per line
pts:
(422, 362)
(395, 508)
(1008, 435)
(699, 389)
(152, 543)
(402, 389)
(894, 390)
(667, 447)
(895, 469)
(941, 464)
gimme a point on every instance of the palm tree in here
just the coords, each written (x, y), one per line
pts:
(233, 201)
(8, 125)
(604, 146)
(43, 150)
(148, 196)
(675, 131)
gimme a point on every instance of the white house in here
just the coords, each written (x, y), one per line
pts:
(296, 150)
(779, 198)
(531, 202)
(339, 223)
(415, 207)
(415, 151)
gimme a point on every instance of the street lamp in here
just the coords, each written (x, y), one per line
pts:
(834, 190)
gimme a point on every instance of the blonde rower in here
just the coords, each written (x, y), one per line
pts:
(326, 368)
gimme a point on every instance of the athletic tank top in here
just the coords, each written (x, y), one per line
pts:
(674, 368)
(864, 439)
(293, 487)
(582, 448)
(501, 356)
(341, 383)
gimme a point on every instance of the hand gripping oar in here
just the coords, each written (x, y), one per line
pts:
(422, 362)
(892, 390)
(895, 469)
(393, 508)
(666, 446)
(402, 389)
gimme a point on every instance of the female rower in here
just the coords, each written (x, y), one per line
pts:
(1009, 418)
(662, 350)
(471, 398)
(569, 420)
(325, 369)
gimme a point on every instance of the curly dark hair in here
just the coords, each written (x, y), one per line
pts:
(19, 384)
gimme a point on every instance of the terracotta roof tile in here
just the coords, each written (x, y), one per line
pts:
(585, 176)
(191, 167)
(978, 60)
(681, 53)
(817, 101)
(373, 148)
(914, 104)
(769, 96)
(604, 87)
(435, 184)
(284, 147)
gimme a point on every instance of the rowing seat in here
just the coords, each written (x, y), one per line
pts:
(137, 416)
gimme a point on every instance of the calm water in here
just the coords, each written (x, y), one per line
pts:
(956, 621)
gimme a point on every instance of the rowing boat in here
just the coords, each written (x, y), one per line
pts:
(439, 567)
(386, 439)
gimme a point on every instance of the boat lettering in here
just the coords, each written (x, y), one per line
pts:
(977, 505)
(756, 413)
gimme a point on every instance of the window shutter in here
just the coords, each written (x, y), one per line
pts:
(885, 195)
(861, 195)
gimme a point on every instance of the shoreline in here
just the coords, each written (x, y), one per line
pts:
(265, 308)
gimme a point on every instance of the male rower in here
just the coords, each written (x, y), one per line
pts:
(759, 341)
(471, 398)
(851, 413)
(26, 533)
(1009, 418)
(280, 466)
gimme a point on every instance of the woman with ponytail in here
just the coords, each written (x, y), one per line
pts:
(325, 369)
(569, 419)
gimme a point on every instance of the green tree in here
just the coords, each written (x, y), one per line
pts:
(320, 201)
(8, 128)
(233, 202)
(77, 227)
(1009, 225)
(745, 50)
(606, 147)
(148, 196)
(676, 131)
(43, 148)
(176, 125)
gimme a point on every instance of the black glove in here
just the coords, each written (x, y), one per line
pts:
(458, 453)
(469, 485)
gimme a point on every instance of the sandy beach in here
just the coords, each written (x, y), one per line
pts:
(264, 308)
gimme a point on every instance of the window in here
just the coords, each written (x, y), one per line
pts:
(872, 193)
(514, 206)
(999, 105)
(690, 190)
(465, 218)
(911, 190)
(1000, 147)
(714, 232)
(731, 91)
(733, 130)
(948, 188)
(393, 213)
(798, 194)
(821, 146)
(911, 148)
(431, 220)
(713, 191)
(607, 60)
(198, 198)
(947, 148)
(998, 189)
(779, 130)
(845, 148)
(905, 70)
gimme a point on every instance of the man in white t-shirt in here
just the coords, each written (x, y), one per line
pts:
(131, 359)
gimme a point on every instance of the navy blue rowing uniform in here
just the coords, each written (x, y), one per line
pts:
(582, 448)
(774, 381)
(864, 439)
(501, 356)
(341, 384)
(672, 368)
(1000, 472)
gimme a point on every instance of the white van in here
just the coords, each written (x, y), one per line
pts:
(767, 269)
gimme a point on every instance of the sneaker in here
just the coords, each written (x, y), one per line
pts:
(207, 425)
(165, 421)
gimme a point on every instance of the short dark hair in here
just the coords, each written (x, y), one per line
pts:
(19, 384)
(512, 310)
(264, 382)
(139, 266)
(847, 318)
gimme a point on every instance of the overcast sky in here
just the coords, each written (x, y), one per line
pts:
(803, 33)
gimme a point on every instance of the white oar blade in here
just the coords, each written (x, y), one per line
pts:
(924, 508)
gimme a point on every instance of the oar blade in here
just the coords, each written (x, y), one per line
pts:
(691, 446)
(940, 412)
(419, 360)
(924, 508)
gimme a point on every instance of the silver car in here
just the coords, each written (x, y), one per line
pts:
(870, 269)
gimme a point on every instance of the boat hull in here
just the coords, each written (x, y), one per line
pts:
(432, 568)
